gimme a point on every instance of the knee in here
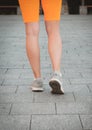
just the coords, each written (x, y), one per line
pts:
(49, 30)
(52, 31)
(32, 29)
(52, 28)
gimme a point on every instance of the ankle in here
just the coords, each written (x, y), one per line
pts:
(38, 78)
(58, 72)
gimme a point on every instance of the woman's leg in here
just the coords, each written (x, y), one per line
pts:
(30, 13)
(54, 43)
(32, 47)
(55, 51)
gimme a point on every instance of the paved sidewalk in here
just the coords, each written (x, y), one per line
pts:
(21, 109)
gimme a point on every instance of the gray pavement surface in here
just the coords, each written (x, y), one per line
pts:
(21, 109)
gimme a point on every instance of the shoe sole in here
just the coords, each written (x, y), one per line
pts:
(56, 87)
(37, 90)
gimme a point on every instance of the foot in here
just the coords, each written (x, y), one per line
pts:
(56, 83)
(37, 85)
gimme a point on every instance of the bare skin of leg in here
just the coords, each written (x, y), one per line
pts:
(54, 43)
(32, 47)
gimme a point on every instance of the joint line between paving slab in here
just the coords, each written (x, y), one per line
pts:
(30, 123)
(10, 108)
(81, 74)
(80, 121)
(74, 96)
(33, 100)
(55, 109)
(16, 89)
(6, 70)
(2, 82)
(89, 88)
(69, 81)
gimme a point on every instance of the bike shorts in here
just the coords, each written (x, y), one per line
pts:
(30, 10)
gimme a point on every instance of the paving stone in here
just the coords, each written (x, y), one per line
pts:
(8, 89)
(4, 109)
(26, 76)
(90, 87)
(1, 81)
(71, 75)
(83, 97)
(86, 121)
(9, 76)
(24, 89)
(81, 81)
(14, 122)
(33, 108)
(86, 75)
(48, 97)
(11, 66)
(17, 82)
(55, 122)
(2, 71)
(19, 97)
(14, 72)
(26, 71)
(77, 88)
(77, 69)
(74, 108)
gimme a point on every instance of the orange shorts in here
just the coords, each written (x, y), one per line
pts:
(30, 9)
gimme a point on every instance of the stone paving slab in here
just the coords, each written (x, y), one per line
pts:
(1, 81)
(4, 109)
(24, 89)
(48, 97)
(87, 75)
(9, 76)
(13, 82)
(81, 81)
(83, 97)
(90, 87)
(55, 122)
(77, 68)
(86, 121)
(14, 122)
(74, 108)
(77, 88)
(33, 108)
(2, 71)
(14, 98)
(8, 89)
(73, 75)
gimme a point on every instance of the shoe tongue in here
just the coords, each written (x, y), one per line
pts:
(57, 73)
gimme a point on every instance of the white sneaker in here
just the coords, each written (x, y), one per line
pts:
(56, 83)
(37, 85)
